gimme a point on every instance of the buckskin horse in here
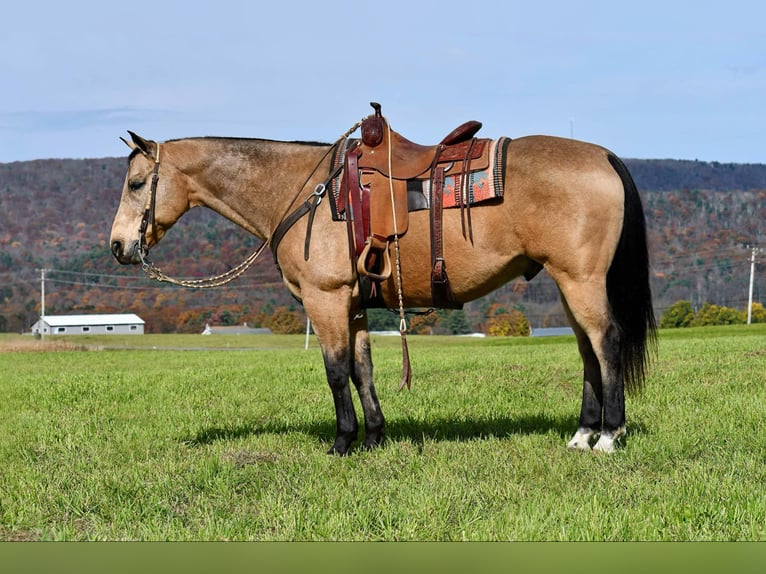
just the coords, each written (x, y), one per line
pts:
(567, 206)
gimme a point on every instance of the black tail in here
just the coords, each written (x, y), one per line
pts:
(627, 286)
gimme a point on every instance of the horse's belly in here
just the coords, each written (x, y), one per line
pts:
(477, 261)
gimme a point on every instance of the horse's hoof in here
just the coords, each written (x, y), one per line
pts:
(336, 451)
(608, 440)
(342, 445)
(578, 445)
(604, 445)
(581, 440)
(373, 439)
(371, 444)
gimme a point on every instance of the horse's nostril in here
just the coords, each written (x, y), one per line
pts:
(117, 248)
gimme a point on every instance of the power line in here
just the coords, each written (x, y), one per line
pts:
(156, 286)
(107, 286)
(89, 274)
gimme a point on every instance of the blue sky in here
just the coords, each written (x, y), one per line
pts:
(649, 79)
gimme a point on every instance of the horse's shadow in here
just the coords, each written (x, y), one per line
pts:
(404, 429)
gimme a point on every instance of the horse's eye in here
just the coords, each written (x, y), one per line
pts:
(135, 185)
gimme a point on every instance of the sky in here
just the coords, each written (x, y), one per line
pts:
(650, 79)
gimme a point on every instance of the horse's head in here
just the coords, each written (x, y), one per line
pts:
(150, 203)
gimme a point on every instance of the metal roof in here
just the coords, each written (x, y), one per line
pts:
(551, 331)
(74, 320)
(236, 330)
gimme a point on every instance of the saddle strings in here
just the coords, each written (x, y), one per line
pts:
(406, 366)
(399, 292)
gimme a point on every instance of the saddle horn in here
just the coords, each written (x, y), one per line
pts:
(373, 127)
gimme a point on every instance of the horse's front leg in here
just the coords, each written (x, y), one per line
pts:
(329, 314)
(361, 375)
(336, 363)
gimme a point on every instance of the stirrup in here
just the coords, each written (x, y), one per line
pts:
(363, 260)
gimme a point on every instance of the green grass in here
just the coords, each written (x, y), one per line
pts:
(166, 444)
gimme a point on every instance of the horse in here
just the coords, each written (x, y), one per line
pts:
(570, 207)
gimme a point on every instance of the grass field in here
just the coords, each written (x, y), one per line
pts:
(223, 438)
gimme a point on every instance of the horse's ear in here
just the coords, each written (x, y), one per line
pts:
(130, 144)
(146, 146)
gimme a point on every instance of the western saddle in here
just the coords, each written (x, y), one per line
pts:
(374, 194)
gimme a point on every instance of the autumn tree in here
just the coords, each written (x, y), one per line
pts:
(503, 322)
(286, 322)
(679, 314)
(757, 313)
(717, 315)
(424, 324)
(457, 323)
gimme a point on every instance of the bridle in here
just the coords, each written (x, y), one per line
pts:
(149, 208)
(285, 223)
(154, 272)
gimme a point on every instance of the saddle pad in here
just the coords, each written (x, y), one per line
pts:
(336, 165)
(481, 185)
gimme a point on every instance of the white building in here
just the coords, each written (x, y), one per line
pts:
(119, 324)
(235, 330)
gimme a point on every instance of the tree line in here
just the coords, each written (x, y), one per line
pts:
(682, 314)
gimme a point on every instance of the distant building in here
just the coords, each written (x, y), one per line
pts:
(551, 331)
(119, 324)
(243, 329)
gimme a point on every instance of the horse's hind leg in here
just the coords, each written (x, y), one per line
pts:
(590, 410)
(603, 399)
(361, 375)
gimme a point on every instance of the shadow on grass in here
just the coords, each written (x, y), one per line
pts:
(418, 431)
(465, 429)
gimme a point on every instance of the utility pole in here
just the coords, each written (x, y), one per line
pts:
(753, 250)
(42, 304)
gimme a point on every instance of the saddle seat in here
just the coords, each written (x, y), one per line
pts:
(409, 160)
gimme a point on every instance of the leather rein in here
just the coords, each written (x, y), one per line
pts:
(286, 222)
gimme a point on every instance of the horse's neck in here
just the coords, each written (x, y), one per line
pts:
(254, 182)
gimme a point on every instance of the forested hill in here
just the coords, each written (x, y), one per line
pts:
(674, 175)
(56, 214)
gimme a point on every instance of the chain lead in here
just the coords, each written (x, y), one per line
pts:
(154, 272)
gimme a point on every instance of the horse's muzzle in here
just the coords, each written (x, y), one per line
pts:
(126, 254)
